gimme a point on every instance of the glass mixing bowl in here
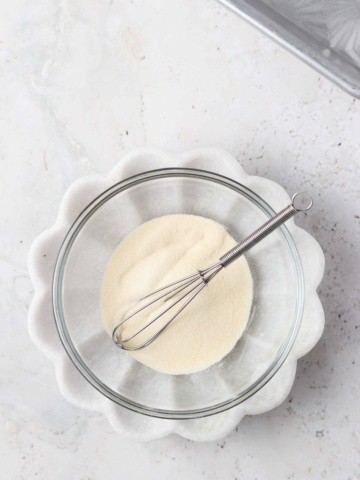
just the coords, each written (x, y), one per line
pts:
(275, 315)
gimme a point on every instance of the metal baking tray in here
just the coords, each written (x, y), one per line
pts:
(323, 33)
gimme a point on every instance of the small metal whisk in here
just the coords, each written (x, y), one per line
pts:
(189, 287)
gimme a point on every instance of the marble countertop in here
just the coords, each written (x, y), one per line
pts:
(82, 83)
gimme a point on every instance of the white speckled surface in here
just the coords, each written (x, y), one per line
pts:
(83, 82)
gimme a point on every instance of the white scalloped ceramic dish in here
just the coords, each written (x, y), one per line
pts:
(78, 387)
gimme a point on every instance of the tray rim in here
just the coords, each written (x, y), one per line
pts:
(294, 44)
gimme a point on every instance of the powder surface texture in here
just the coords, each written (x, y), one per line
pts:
(159, 252)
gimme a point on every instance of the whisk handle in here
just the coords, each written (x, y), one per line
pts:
(300, 202)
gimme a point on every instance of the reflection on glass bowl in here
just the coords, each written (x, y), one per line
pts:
(275, 317)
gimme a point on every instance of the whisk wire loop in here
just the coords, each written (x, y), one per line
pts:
(201, 278)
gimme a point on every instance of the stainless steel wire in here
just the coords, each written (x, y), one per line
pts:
(186, 289)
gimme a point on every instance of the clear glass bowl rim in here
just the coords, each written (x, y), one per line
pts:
(60, 320)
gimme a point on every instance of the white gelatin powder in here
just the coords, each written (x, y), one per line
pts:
(161, 251)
